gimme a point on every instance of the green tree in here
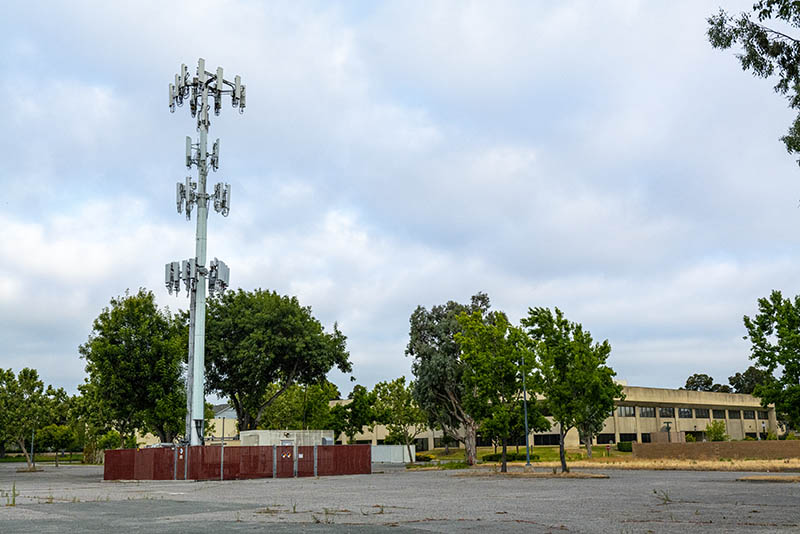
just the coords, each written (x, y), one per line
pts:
(699, 382)
(715, 431)
(492, 351)
(765, 50)
(133, 359)
(774, 335)
(23, 400)
(350, 418)
(258, 338)
(300, 407)
(572, 373)
(752, 377)
(438, 369)
(57, 438)
(703, 382)
(396, 408)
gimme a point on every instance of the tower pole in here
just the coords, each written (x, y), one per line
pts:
(193, 272)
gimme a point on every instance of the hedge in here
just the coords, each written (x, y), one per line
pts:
(510, 456)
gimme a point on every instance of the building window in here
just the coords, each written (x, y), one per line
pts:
(701, 413)
(626, 411)
(603, 439)
(734, 414)
(719, 414)
(685, 413)
(547, 439)
(647, 411)
(749, 414)
(646, 437)
(666, 412)
(421, 444)
(627, 437)
(763, 415)
(751, 435)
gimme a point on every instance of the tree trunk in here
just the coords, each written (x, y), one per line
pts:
(21, 443)
(410, 456)
(470, 445)
(589, 447)
(564, 468)
(504, 467)
(446, 447)
(2, 450)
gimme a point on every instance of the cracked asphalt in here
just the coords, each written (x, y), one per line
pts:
(76, 499)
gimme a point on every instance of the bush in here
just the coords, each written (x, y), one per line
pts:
(423, 457)
(790, 436)
(510, 457)
(690, 438)
(715, 431)
(625, 446)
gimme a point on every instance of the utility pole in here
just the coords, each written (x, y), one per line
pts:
(193, 272)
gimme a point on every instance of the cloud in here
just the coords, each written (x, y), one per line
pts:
(605, 160)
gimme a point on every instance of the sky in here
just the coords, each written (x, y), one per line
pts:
(598, 157)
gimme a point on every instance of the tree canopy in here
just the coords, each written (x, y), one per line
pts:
(438, 368)
(133, 359)
(571, 371)
(774, 334)
(767, 50)
(350, 418)
(255, 339)
(751, 378)
(396, 409)
(703, 382)
(300, 407)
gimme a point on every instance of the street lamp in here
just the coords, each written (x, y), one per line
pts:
(525, 413)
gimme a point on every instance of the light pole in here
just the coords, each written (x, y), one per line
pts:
(525, 414)
(193, 272)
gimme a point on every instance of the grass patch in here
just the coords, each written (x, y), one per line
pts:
(45, 458)
(545, 454)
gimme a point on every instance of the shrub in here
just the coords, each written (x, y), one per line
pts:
(771, 435)
(690, 438)
(715, 431)
(423, 457)
(510, 457)
(625, 446)
(790, 436)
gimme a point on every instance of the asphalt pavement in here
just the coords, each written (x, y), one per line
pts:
(76, 499)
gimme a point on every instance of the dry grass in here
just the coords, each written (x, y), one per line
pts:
(669, 464)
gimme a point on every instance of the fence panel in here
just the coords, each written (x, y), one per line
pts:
(119, 464)
(305, 461)
(285, 461)
(254, 462)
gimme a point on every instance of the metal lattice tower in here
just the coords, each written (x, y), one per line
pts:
(197, 90)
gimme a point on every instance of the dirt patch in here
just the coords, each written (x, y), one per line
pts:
(571, 474)
(770, 478)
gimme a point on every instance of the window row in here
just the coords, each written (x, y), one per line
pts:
(687, 413)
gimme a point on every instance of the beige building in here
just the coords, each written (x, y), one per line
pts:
(644, 412)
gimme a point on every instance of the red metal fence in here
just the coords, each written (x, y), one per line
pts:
(214, 463)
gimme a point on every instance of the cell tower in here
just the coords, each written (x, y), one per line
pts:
(193, 272)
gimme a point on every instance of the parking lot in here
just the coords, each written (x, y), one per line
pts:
(75, 499)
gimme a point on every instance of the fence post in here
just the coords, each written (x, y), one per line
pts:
(294, 460)
(274, 461)
(315, 461)
(174, 462)
(222, 461)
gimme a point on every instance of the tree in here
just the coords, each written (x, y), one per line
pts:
(703, 382)
(766, 51)
(23, 407)
(300, 407)
(774, 335)
(57, 438)
(351, 418)
(255, 339)
(438, 369)
(572, 373)
(133, 358)
(752, 377)
(492, 351)
(699, 382)
(396, 409)
(715, 431)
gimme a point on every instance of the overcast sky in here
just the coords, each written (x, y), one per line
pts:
(596, 156)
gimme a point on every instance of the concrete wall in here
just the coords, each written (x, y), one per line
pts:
(392, 454)
(713, 450)
(299, 438)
